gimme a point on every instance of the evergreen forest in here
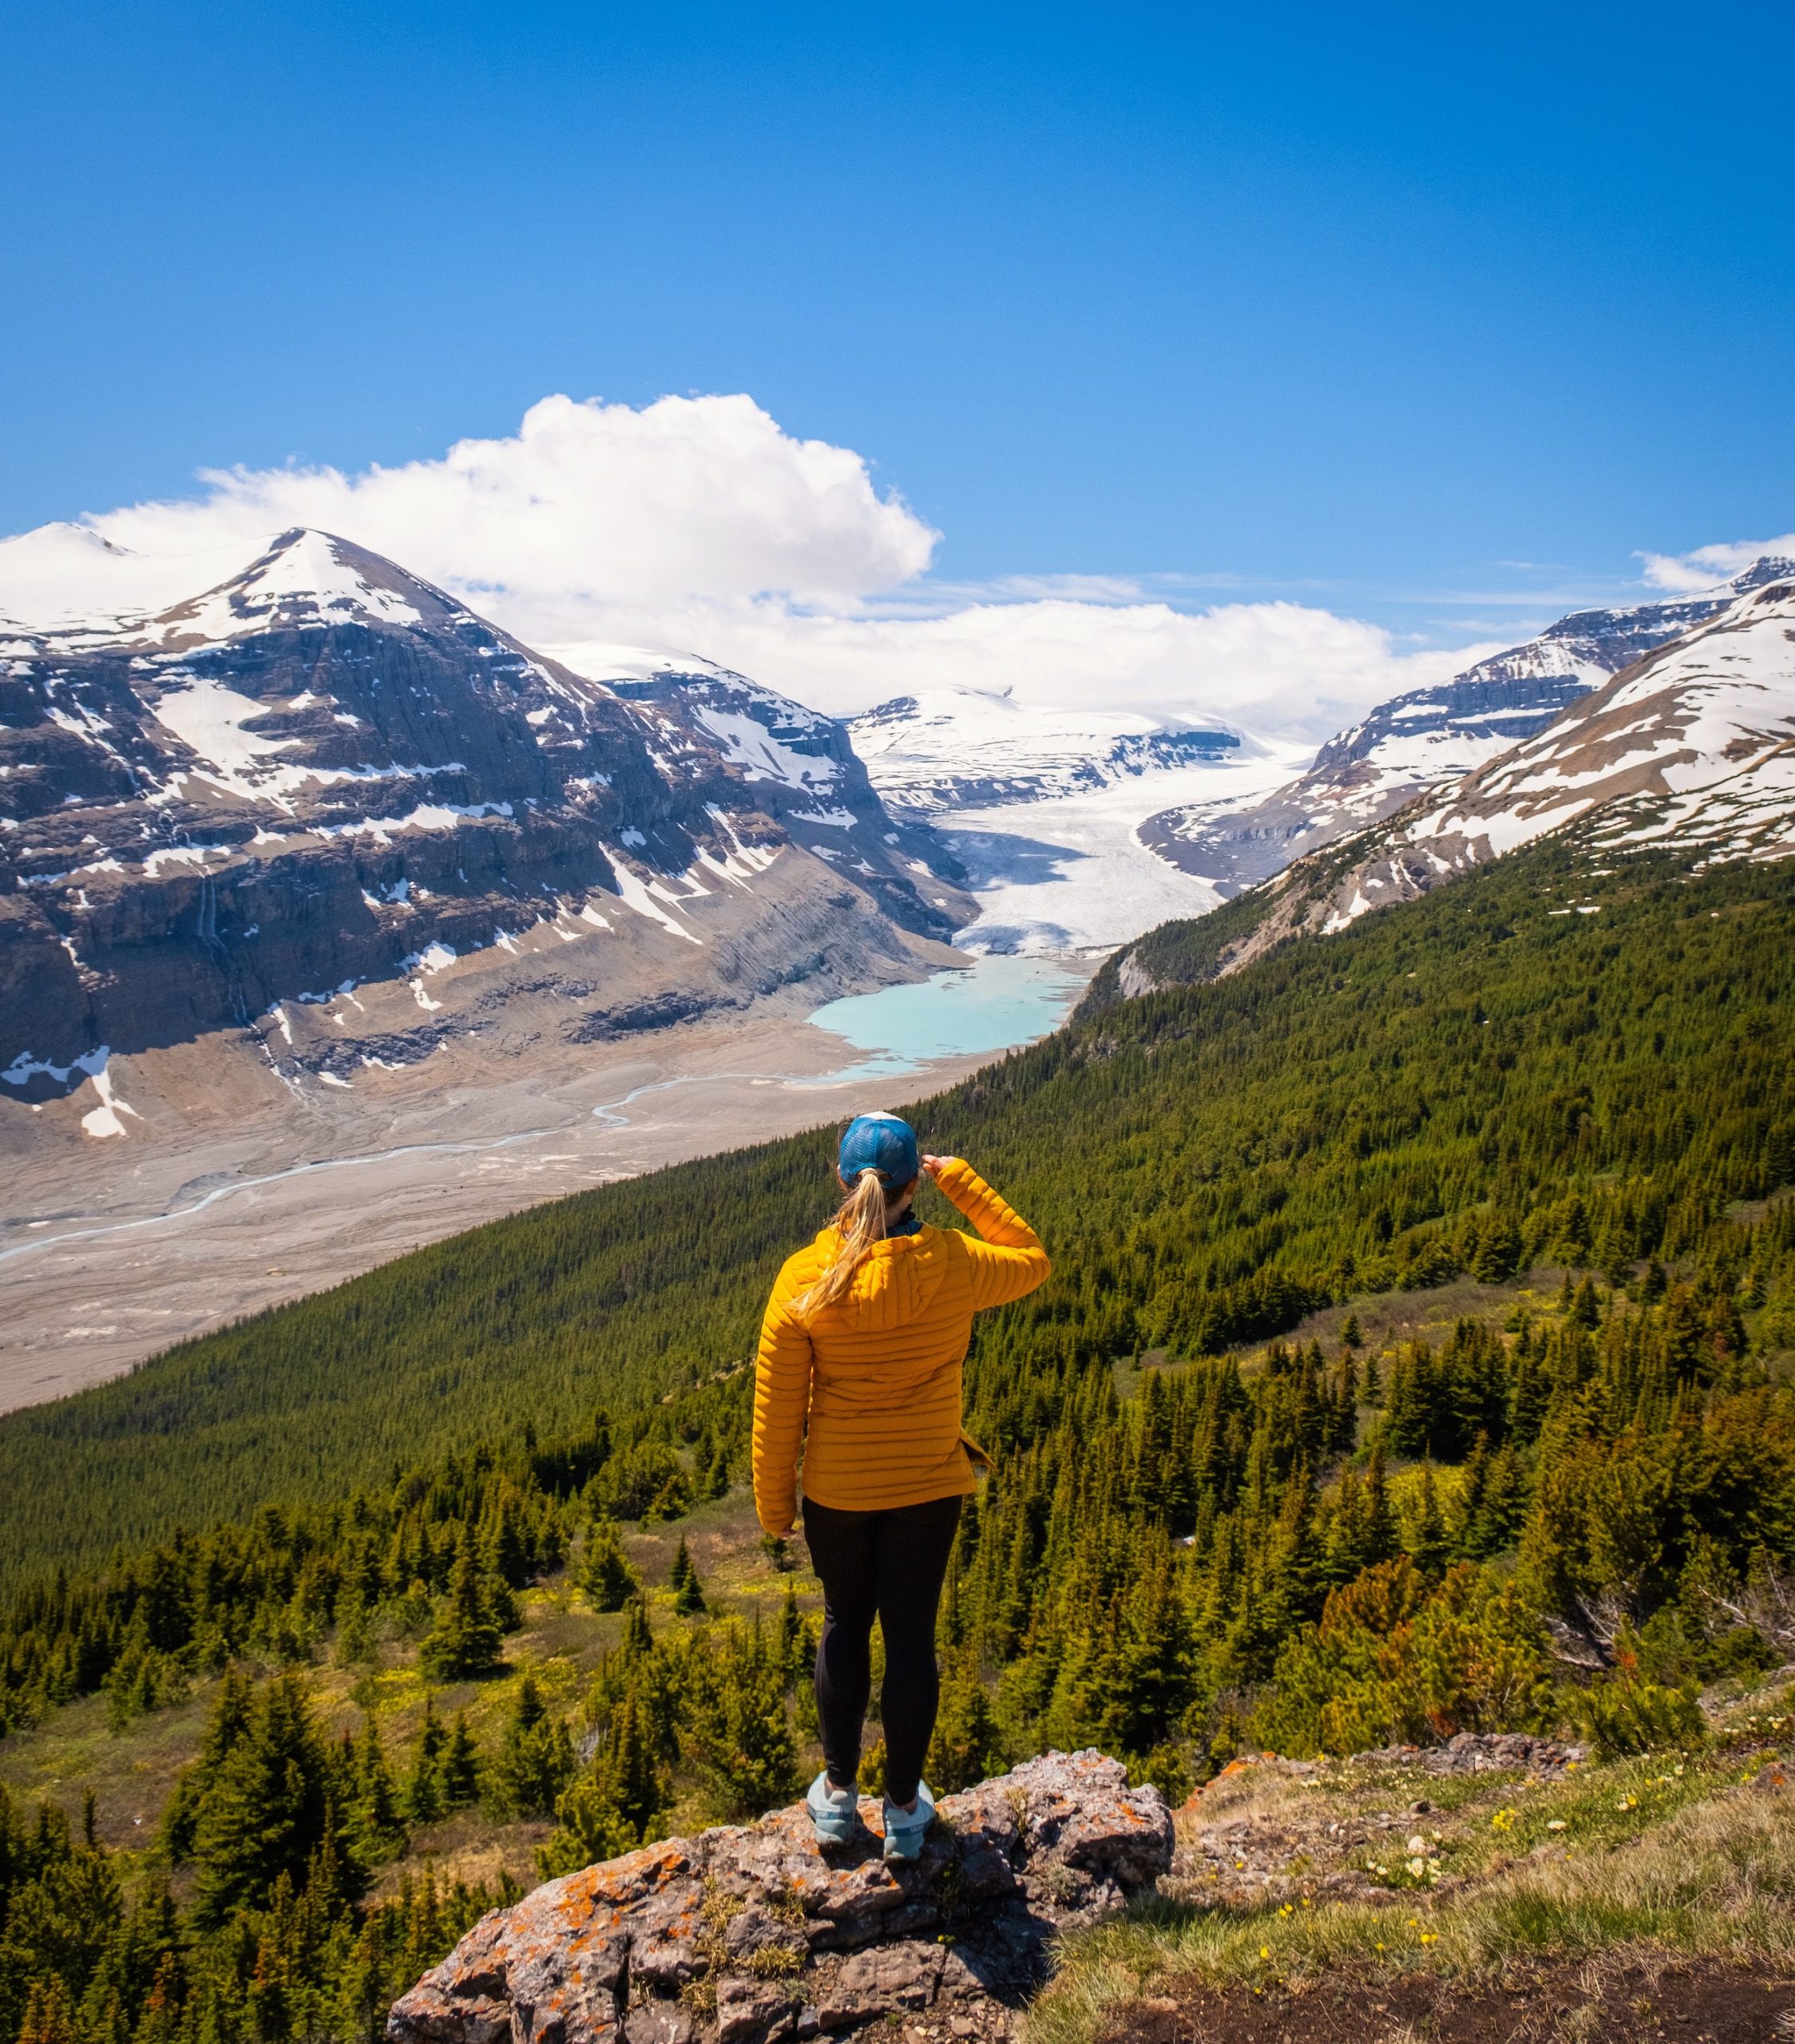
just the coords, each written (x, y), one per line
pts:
(1417, 1361)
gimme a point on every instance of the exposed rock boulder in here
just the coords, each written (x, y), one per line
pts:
(1481, 1752)
(749, 1934)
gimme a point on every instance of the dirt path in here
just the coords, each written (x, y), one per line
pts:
(1701, 2004)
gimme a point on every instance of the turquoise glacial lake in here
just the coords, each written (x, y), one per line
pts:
(994, 1004)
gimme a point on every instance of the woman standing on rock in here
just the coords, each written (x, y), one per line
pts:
(859, 1368)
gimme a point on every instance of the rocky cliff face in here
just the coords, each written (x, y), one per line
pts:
(1433, 736)
(324, 773)
(749, 1936)
(807, 776)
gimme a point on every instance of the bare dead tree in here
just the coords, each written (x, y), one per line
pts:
(1766, 1603)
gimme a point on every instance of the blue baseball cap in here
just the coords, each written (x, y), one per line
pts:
(881, 1142)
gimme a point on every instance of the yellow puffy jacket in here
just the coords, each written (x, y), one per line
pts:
(874, 1380)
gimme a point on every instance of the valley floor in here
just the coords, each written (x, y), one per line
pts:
(228, 1195)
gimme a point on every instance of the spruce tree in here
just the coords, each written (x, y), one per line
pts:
(969, 1744)
(739, 1736)
(49, 2018)
(634, 1782)
(267, 1809)
(465, 1640)
(609, 1580)
(688, 1593)
(789, 1643)
(227, 1722)
(588, 1827)
(638, 1641)
(1498, 1252)
(425, 1801)
(536, 1762)
(460, 1774)
(1429, 1547)
(710, 1459)
(1380, 1540)
(373, 1828)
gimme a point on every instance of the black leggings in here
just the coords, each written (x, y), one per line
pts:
(890, 1564)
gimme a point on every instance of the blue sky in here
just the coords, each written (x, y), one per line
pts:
(1431, 316)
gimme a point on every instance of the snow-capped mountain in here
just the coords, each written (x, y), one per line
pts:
(322, 773)
(804, 772)
(65, 575)
(961, 748)
(1694, 746)
(1691, 748)
(1432, 736)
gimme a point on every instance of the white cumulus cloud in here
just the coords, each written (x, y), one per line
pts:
(1707, 566)
(697, 526)
(1280, 669)
(592, 502)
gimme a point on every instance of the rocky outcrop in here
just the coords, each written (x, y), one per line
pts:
(746, 1936)
(1482, 1752)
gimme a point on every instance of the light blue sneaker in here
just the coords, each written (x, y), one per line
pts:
(834, 1812)
(905, 1830)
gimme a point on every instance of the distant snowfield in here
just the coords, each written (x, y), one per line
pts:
(1069, 874)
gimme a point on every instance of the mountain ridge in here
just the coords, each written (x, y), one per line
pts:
(1693, 744)
(1432, 736)
(1150, 1253)
(949, 749)
(323, 773)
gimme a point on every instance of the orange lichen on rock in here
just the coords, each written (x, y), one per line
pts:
(804, 1944)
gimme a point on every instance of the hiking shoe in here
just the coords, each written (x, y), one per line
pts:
(905, 1830)
(834, 1812)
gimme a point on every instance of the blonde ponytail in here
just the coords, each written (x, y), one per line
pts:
(860, 1223)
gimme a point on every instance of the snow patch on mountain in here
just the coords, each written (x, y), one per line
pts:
(209, 719)
(759, 754)
(767, 735)
(304, 578)
(1434, 736)
(952, 749)
(68, 576)
(1694, 746)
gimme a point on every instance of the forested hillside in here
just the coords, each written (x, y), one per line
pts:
(1243, 1490)
(1476, 1079)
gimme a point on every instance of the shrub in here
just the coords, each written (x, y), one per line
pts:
(1389, 1662)
(1627, 1715)
(647, 1479)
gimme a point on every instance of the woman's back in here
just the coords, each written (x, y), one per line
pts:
(877, 1375)
(859, 1369)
